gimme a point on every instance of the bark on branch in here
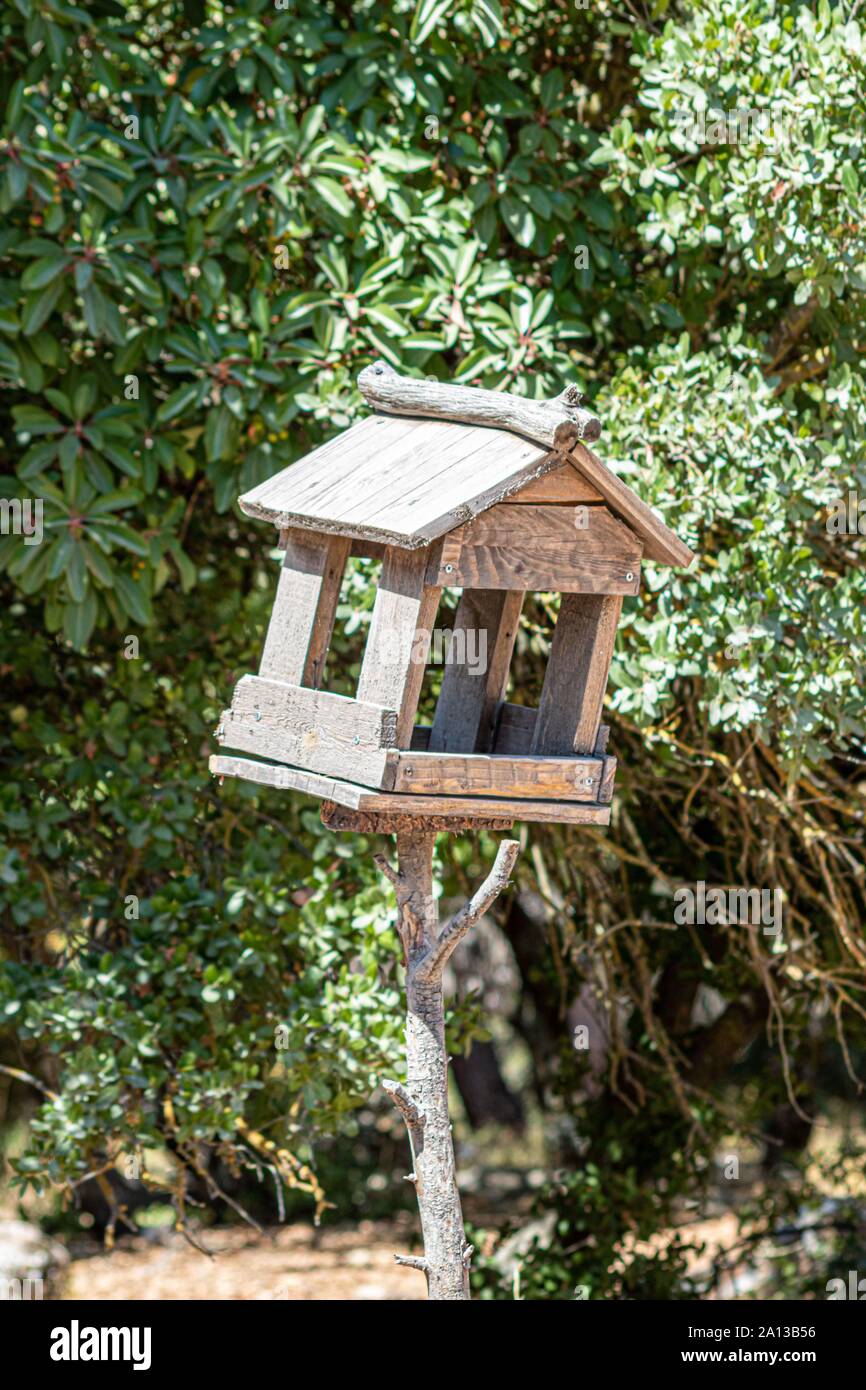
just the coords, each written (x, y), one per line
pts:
(423, 1101)
(387, 869)
(791, 328)
(455, 929)
(386, 390)
(413, 1261)
(411, 1113)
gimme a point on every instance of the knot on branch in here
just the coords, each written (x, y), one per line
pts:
(568, 400)
(409, 1109)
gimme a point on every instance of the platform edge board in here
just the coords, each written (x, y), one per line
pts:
(291, 724)
(359, 798)
(484, 774)
(286, 778)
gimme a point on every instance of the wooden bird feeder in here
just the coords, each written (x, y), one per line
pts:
(494, 495)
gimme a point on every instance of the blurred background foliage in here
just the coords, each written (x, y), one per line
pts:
(213, 215)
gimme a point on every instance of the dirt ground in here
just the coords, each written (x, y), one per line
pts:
(294, 1263)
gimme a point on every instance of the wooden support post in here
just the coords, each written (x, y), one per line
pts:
(468, 702)
(399, 638)
(423, 1100)
(302, 619)
(569, 714)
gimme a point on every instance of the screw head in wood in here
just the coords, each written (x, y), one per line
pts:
(629, 577)
(449, 569)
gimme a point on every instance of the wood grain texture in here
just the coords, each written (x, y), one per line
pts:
(489, 567)
(541, 569)
(406, 481)
(480, 774)
(608, 776)
(582, 549)
(515, 725)
(367, 550)
(385, 389)
(310, 728)
(564, 485)
(279, 776)
(468, 701)
(562, 812)
(302, 618)
(394, 660)
(569, 714)
(474, 808)
(589, 526)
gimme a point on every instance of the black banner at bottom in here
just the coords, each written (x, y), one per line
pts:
(219, 1339)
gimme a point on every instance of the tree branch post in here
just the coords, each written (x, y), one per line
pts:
(423, 1100)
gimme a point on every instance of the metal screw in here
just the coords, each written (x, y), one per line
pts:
(357, 738)
(258, 714)
(629, 576)
(449, 569)
(408, 772)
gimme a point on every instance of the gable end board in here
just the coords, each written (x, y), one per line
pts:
(660, 542)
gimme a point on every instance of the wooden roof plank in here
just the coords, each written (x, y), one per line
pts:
(318, 481)
(442, 452)
(404, 481)
(447, 489)
(405, 488)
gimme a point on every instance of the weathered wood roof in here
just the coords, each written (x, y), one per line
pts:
(407, 481)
